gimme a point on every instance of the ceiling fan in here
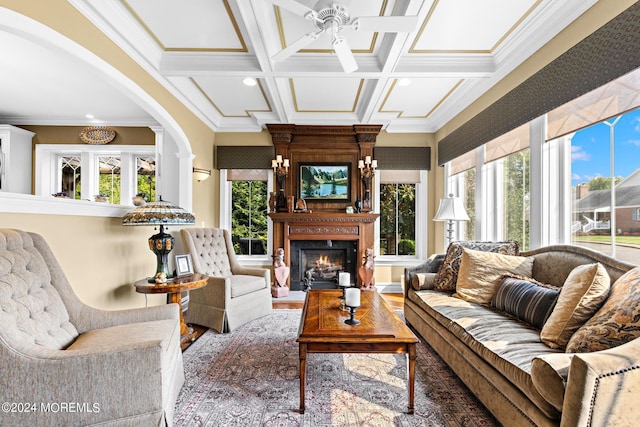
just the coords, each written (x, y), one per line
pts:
(332, 19)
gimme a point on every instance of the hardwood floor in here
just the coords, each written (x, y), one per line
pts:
(395, 301)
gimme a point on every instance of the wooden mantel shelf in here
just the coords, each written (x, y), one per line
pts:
(323, 216)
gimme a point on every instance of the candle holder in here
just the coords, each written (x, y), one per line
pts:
(281, 170)
(367, 168)
(351, 320)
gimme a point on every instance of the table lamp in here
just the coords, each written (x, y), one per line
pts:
(159, 213)
(451, 209)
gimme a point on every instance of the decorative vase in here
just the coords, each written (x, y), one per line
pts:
(273, 200)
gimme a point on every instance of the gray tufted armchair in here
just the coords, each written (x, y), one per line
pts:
(69, 364)
(234, 295)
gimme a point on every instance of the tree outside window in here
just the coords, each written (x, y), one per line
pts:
(249, 225)
(397, 219)
(516, 198)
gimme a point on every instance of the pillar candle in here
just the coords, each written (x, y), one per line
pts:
(352, 297)
(344, 279)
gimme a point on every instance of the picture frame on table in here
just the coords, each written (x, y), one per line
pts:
(184, 265)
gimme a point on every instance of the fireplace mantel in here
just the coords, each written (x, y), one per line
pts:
(322, 225)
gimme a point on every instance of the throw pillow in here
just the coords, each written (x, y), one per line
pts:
(617, 321)
(526, 299)
(481, 272)
(580, 297)
(422, 281)
(448, 272)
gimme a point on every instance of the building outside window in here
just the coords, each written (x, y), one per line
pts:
(605, 201)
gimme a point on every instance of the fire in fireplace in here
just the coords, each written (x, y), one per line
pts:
(316, 263)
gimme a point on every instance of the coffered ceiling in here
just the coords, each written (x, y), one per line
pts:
(410, 81)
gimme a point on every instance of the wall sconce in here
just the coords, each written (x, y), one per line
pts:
(201, 174)
(367, 170)
(281, 170)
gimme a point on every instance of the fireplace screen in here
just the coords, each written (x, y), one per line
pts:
(317, 263)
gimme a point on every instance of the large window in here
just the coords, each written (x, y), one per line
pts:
(572, 176)
(605, 165)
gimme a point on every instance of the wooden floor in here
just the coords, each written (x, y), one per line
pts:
(395, 301)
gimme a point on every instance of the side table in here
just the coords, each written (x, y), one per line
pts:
(174, 289)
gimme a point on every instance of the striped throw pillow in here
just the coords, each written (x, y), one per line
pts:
(526, 299)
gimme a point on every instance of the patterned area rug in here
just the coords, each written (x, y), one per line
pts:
(250, 378)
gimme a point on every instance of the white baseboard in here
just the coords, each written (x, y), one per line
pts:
(389, 288)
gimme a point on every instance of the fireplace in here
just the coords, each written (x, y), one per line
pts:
(320, 261)
(335, 232)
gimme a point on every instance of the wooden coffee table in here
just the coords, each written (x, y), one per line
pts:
(322, 330)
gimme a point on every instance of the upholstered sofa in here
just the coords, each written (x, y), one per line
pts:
(63, 363)
(503, 359)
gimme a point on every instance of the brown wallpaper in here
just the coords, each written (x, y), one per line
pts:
(71, 135)
(605, 55)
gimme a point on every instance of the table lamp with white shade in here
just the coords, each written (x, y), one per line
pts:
(451, 209)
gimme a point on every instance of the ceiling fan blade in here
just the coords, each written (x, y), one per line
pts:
(294, 6)
(345, 56)
(385, 24)
(296, 46)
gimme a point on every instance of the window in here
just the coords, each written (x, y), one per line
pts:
(401, 229)
(462, 183)
(249, 217)
(70, 176)
(606, 189)
(146, 177)
(516, 198)
(397, 219)
(99, 173)
(109, 179)
(244, 198)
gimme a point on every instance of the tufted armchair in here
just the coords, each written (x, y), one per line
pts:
(234, 295)
(108, 367)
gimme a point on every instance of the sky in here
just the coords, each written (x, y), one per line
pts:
(590, 149)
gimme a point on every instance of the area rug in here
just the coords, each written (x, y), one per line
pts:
(249, 377)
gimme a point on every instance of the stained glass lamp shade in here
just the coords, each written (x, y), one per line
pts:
(160, 213)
